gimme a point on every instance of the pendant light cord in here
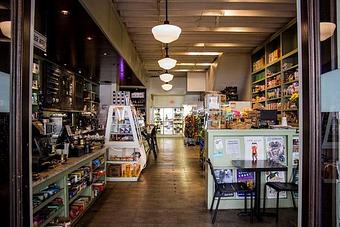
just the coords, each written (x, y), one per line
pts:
(166, 12)
(166, 50)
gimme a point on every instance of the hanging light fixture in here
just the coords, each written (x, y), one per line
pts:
(167, 63)
(167, 86)
(166, 33)
(326, 30)
(5, 27)
(166, 77)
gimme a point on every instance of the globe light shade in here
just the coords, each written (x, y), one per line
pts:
(167, 87)
(166, 33)
(326, 30)
(167, 63)
(166, 77)
(5, 27)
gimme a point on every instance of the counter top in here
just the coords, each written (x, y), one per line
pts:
(68, 166)
(253, 130)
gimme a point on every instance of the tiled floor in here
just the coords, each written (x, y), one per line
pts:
(169, 193)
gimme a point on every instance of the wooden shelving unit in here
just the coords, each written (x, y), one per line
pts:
(277, 78)
(91, 97)
(59, 176)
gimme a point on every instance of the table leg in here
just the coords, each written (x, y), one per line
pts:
(257, 207)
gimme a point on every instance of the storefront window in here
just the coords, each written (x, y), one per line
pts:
(330, 108)
(5, 41)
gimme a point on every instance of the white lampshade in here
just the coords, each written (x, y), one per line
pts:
(167, 63)
(5, 27)
(167, 87)
(326, 30)
(166, 77)
(166, 33)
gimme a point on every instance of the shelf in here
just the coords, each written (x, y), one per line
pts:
(273, 99)
(257, 71)
(77, 195)
(290, 110)
(290, 54)
(121, 162)
(275, 74)
(52, 216)
(256, 92)
(260, 101)
(273, 63)
(127, 179)
(101, 165)
(126, 134)
(272, 87)
(47, 201)
(74, 221)
(290, 68)
(258, 81)
(290, 82)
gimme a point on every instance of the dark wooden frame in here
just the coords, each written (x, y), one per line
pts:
(310, 190)
(20, 112)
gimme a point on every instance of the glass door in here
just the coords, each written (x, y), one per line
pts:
(5, 78)
(168, 116)
(330, 108)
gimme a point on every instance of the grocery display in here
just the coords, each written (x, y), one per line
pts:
(62, 195)
(275, 82)
(126, 155)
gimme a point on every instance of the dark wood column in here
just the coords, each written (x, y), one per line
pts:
(311, 115)
(20, 112)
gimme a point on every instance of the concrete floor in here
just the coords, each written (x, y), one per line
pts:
(169, 193)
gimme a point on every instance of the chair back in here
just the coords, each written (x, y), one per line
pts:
(294, 175)
(212, 170)
(154, 131)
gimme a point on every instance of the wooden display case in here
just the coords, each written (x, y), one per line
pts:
(126, 156)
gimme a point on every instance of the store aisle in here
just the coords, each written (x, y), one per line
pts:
(170, 193)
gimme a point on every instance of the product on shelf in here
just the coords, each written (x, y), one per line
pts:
(121, 98)
(259, 64)
(78, 180)
(123, 170)
(45, 194)
(47, 212)
(274, 56)
(78, 206)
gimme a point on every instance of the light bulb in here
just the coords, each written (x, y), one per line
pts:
(166, 77)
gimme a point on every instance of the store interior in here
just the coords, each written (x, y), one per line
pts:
(119, 140)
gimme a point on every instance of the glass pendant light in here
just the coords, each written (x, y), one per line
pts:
(167, 63)
(166, 77)
(5, 27)
(166, 33)
(326, 30)
(167, 87)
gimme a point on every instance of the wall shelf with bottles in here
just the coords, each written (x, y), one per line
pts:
(275, 81)
(55, 87)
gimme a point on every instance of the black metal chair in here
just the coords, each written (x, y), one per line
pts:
(281, 187)
(154, 137)
(150, 142)
(222, 189)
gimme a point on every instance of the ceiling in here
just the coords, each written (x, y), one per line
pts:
(222, 26)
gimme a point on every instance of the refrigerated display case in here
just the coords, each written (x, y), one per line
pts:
(168, 120)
